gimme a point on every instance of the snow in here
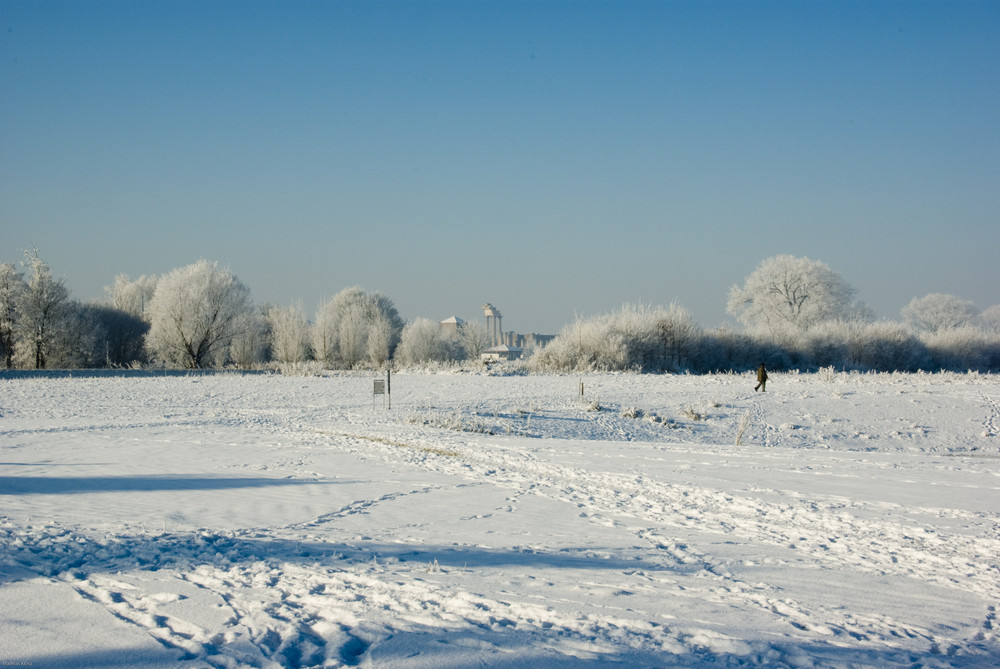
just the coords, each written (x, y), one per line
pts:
(260, 520)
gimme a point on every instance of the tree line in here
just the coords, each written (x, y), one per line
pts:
(795, 313)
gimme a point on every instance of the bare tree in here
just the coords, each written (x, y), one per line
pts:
(195, 314)
(789, 295)
(936, 312)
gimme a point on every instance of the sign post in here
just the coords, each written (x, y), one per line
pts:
(383, 387)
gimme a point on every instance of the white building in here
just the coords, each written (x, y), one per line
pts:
(502, 345)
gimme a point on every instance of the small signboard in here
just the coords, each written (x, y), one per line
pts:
(378, 389)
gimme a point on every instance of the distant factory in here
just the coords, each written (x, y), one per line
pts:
(501, 345)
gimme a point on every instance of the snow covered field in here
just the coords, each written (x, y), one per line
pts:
(279, 521)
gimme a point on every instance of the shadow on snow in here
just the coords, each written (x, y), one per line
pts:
(62, 553)
(68, 485)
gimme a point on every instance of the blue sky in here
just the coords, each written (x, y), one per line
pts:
(553, 158)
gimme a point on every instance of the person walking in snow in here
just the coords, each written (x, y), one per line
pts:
(761, 379)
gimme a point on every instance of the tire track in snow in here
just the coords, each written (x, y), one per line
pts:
(825, 531)
(821, 530)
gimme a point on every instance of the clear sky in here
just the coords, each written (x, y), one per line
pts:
(553, 158)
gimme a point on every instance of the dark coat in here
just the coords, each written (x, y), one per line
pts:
(761, 374)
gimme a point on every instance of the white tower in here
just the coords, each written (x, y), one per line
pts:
(494, 329)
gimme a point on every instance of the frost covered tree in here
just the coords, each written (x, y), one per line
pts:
(989, 319)
(352, 333)
(289, 333)
(12, 289)
(355, 326)
(41, 314)
(584, 345)
(132, 297)
(195, 314)
(78, 339)
(788, 295)
(249, 346)
(383, 337)
(423, 341)
(936, 312)
(474, 339)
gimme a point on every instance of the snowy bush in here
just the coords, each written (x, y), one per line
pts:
(724, 350)
(826, 344)
(884, 346)
(964, 348)
(636, 337)
(692, 413)
(742, 424)
(306, 368)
